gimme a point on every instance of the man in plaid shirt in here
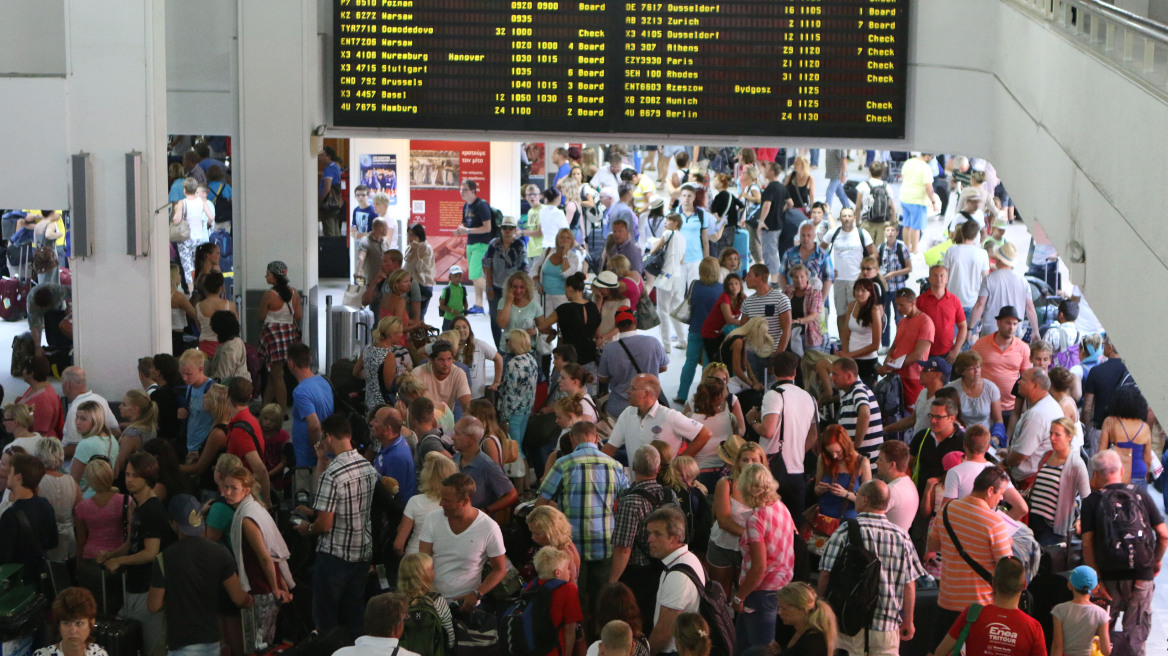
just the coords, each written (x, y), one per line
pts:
(584, 484)
(899, 569)
(340, 516)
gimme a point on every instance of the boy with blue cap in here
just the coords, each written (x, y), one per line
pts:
(1078, 622)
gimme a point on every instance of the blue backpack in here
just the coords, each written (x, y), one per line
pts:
(527, 628)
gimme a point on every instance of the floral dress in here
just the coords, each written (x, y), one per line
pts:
(520, 376)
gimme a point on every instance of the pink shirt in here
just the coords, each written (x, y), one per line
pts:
(1003, 366)
(771, 525)
(104, 525)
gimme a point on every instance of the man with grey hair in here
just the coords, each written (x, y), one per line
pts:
(1128, 565)
(632, 563)
(75, 387)
(1031, 440)
(646, 420)
(677, 590)
(493, 490)
(900, 567)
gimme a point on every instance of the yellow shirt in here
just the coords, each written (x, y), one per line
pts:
(915, 175)
(60, 223)
(642, 193)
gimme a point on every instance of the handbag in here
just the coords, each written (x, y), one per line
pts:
(332, 200)
(259, 623)
(684, 312)
(646, 314)
(180, 232)
(655, 263)
(352, 297)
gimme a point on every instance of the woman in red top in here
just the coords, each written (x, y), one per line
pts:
(727, 312)
(47, 416)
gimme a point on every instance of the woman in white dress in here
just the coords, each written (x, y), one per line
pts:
(670, 284)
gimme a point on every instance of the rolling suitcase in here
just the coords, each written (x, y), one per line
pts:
(347, 332)
(14, 298)
(119, 636)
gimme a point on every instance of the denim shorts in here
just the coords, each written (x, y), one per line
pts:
(721, 557)
(914, 216)
(770, 251)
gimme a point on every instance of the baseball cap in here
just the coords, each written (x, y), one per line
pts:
(184, 510)
(937, 363)
(1084, 579)
(952, 459)
(455, 269)
(625, 315)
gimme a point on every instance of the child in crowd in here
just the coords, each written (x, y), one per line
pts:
(363, 214)
(553, 567)
(276, 440)
(1077, 623)
(452, 302)
(415, 581)
(691, 634)
(616, 639)
(997, 236)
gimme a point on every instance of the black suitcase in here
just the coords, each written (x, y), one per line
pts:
(321, 644)
(118, 636)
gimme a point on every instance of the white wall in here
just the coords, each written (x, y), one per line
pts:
(202, 67)
(33, 36)
(34, 138)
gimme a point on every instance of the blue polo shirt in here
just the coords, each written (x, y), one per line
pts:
(396, 461)
(616, 367)
(490, 481)
(199, 422)
(312, 396)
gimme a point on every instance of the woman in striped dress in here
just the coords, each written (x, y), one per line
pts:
(1060, 479)
(281, 313)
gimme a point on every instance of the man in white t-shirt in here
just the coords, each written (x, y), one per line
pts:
(968, 263)
(848, 246)
(959, 479)
(461, 539)
(75, 387)
(892, 468)
(646, 420)
(789, 407)
(1031, 439)
(874, 224)
(676, 593)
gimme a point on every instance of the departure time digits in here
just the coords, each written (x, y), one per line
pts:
(806, 67)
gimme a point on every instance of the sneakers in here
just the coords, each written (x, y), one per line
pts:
(476, 310)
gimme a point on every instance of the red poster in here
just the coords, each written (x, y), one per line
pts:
(437, 169)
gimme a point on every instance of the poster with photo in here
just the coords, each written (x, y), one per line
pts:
(379, 173)
(437, 169)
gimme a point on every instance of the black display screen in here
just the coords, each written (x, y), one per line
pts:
(822, 68)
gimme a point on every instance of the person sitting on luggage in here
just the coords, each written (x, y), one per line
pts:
(75, 612)
(1001, 624)
(44, 298)
(28, 528)
(384, 622)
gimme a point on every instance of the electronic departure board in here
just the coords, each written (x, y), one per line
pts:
(825, 68)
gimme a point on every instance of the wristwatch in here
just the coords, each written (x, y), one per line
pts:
(737, 601)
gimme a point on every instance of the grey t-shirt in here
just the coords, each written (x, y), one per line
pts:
(1080, 622)
(373, 249)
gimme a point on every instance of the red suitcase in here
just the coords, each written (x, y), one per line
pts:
(13, 298)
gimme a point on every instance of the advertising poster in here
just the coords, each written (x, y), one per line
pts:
(379, 173)
(437, 169)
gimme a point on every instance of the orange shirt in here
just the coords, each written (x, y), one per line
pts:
(1003, 366)
(985, 537)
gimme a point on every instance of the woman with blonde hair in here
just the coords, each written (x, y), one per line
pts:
(752, 336)
(415, 581)
(703, 294)
(435, 468)
(550, 527)
(394, 303)
(811, 617)
(142, 413)
(573, 212)
(560, 264)
(630, 284)
(62, 493)
(517, 395)
(18, 421)
(378, 364)
(730, 512)
(519, 310)
(218, 405)
(96, 442)
(691, 634)
(769, 535)
(99, 523)
(801, 185)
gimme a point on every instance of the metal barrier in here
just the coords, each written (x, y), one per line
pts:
(1133, 44)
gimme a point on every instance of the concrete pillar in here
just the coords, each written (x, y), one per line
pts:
(116, 81)
(280, 103)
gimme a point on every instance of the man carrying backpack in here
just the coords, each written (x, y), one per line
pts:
(678, 591)
(1124, 539)
(866, 598)
(877, 210)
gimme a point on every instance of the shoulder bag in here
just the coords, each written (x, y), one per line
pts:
(661, 395)
(655, 263)
(684, 312)
(181, 231)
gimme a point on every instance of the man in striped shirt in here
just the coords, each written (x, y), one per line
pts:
(899, 569)
(984, 537)
(859, 412)
(771, 304)
(585, 484)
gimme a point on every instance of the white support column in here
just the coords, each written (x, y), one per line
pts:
(116, 81)
(275, 166)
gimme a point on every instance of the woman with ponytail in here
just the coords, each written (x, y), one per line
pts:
(142, 413)
(691, 634)
(281, 312)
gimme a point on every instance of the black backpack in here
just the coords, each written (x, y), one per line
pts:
(714, 609)
(527, 628)
(1129, 541)
(854, 587)
(881, 209)
(222, 206)
(496, 223)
